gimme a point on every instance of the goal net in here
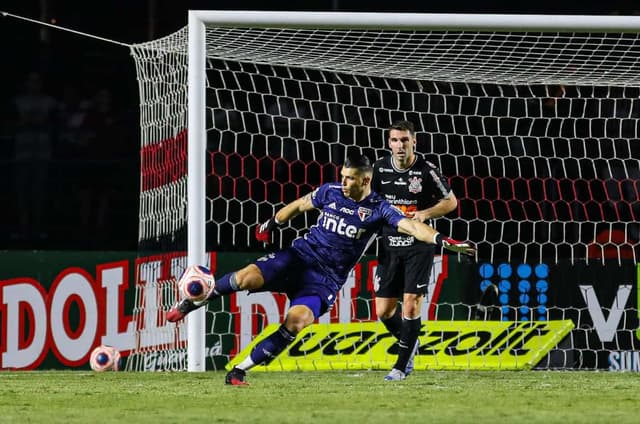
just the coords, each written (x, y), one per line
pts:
(536, 130)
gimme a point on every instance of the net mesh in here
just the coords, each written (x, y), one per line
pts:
(537, 132)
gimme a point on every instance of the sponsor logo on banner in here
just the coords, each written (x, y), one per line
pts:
(273, 306)
(606, 327)
(82, 308)
(162, 360)
(54, 318)
(37, 321)
(602, 301)
(624, 361)
(443, 345)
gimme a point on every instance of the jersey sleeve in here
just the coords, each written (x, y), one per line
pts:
(440, 181)
(319, 196)
(391, 214)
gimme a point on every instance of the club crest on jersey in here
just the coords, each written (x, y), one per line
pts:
(415, 185)
(364, 213)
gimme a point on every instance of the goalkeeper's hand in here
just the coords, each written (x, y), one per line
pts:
(464, 247)
(263, 231)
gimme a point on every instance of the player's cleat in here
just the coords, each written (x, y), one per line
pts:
(464, 247)
(409, 369)
(181, 309)
(236, 377)
(395, 375)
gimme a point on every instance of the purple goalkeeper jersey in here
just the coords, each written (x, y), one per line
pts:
(344, 230)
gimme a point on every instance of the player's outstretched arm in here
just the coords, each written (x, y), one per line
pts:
(295, 208)
(286, 213)
(428, 234)
(443, 207)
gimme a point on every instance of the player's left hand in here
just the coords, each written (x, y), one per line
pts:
(464, 247)
(263, 231)
(421, 216)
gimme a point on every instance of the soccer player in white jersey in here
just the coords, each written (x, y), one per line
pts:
(314, 268)
(417, 187)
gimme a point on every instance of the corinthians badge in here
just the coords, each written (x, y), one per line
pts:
(415, 184)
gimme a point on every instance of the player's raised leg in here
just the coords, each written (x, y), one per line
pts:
(248, 278)
(300, 315)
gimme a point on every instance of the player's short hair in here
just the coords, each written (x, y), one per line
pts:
(404, 126)
(358, 161)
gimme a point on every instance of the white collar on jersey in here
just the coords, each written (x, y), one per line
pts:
(398, 169)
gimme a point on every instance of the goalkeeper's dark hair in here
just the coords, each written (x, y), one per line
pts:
(358, 161)
(404, 126)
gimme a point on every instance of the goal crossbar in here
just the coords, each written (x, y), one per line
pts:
(415, 21)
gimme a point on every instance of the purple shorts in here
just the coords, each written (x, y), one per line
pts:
(285, 272)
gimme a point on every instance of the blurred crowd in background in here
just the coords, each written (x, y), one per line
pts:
(69, 132)
(70, 167)
(69, 142)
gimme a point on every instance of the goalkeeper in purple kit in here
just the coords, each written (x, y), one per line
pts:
(313, 269)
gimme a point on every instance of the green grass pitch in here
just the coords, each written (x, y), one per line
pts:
(320, 397)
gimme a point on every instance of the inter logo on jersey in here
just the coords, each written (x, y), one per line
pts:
(340, 225)
(344, 232)
(364, 213)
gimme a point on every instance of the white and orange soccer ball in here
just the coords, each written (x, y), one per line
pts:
(105, 358)
(196, 283)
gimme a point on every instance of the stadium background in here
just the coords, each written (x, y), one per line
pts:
(85, 192)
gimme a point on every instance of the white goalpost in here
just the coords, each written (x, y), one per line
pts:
(531, 116)
(197, 137)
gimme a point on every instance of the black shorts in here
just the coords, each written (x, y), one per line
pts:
(404, 271)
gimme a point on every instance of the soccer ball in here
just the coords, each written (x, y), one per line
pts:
(196, 283)
(105, 358)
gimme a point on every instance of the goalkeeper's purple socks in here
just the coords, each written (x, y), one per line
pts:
(270, 347)
(224, 285)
